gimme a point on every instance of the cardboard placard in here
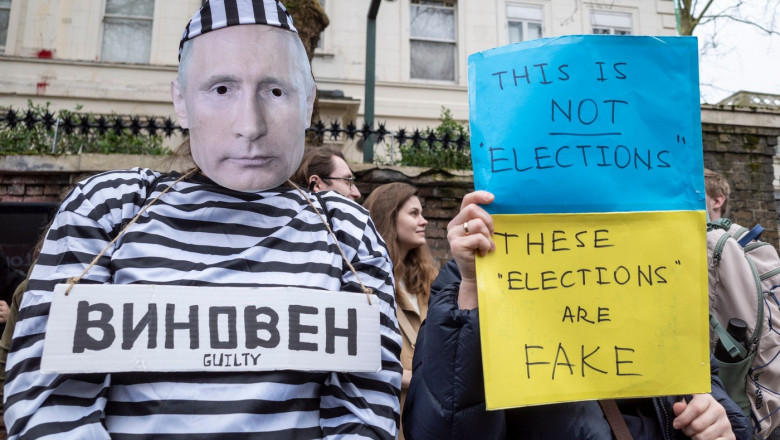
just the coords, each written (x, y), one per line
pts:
(119, 328)
(583, 306)
(587, 123)
(592, 147)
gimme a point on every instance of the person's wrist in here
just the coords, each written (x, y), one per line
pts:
(467, 294)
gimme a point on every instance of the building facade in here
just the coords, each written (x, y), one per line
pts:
(120, 55)
(423, 46)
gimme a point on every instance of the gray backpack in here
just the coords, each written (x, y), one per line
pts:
(744, 277)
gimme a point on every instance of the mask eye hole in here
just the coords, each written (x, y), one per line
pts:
(277, 92)
(221, 90)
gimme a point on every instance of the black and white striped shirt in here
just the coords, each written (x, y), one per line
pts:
(201, 234)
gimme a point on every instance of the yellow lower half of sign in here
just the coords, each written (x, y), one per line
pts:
(590, 306)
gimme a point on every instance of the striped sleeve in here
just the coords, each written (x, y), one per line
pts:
(361, 405)
(66, 406)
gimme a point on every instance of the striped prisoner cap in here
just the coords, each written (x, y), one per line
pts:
(218, 14)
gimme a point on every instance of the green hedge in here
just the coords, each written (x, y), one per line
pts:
(31, 131)
(437, 154)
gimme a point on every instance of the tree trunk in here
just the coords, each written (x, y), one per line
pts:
(310, 20)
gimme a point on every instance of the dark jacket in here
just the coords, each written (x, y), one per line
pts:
(446, 399)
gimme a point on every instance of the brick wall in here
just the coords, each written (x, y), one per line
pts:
(744, 156)
(440, 193)
(33, 187)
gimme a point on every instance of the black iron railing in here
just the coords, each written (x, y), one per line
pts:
(53, 128)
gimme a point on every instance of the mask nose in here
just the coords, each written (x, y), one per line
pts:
(250, 120)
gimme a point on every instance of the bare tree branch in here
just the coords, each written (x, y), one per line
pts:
(692, 14)
(758, 26)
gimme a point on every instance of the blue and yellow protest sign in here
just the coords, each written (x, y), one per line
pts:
(572, 124)
(598, 286)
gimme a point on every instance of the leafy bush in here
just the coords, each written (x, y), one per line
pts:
(32, 132)
(430, 150)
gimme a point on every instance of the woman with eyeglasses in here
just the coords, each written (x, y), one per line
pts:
(325, 169)
(398, 215)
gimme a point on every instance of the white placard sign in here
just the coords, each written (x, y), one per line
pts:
(112, 328)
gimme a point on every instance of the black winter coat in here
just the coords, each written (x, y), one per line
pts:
(446, 399)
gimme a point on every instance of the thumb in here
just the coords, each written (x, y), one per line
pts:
(679, 407)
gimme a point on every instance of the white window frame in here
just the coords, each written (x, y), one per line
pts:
(611, 23)
(441, 4)
(524, 14)
(7, 25)
(149, 19)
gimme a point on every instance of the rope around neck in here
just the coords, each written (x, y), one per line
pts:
(75, 280)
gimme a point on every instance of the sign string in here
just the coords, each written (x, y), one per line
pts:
(75, 280)
(365, 289)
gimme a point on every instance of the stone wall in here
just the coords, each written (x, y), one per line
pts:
(741, 144)
(440, 193)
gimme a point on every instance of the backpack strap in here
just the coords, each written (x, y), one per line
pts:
(753, 234)
(754, 340)
(615, 419)
(728, 341)
(721, 223)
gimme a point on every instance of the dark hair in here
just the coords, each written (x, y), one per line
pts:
(417, 269)
(317, 161)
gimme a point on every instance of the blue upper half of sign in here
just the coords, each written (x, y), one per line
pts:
(588, 123)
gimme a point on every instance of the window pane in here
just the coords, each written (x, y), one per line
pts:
(534, 31)
(432, 22)
(4, 13)
(515, 32)
(600, 31)
(128, 41)
(141, 8)
(432, 60)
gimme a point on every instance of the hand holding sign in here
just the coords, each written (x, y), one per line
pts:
(470, 232)
(702, 417)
